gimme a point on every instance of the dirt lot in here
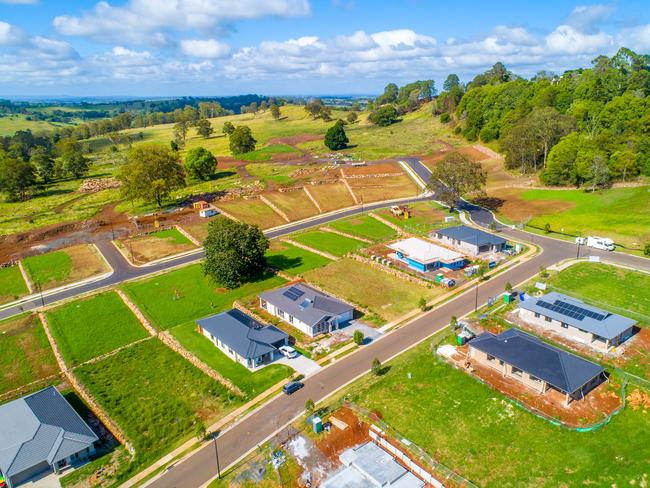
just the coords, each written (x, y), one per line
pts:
(150, 247)
(509, 203)
(331, 196)
(373, 169)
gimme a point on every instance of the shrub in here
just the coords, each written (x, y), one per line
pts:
(358, 337)
(376, 367)
(445, 117)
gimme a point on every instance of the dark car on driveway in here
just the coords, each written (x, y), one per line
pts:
(292, 387)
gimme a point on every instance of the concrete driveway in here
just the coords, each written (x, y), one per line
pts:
(44, 480)
(369, 333)
(301, 364)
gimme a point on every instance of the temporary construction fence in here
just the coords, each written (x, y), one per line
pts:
(538, 413)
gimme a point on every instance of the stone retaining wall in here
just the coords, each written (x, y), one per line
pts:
(349, 236)
(28, 282)
(393, 226)
(313, 200)
(311, 249)
(274, 208)
(347, 185)
(226, 214)
(136, 311)
(192, 239)
(176, 346)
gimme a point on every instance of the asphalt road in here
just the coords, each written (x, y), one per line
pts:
(123, 271)
(253, 430)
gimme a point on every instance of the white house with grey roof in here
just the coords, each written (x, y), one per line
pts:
(577, 321)
(242, 338)
(469, 240)
(307, 309)
(40, 433)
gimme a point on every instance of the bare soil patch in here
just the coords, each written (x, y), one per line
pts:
(378, 189)
(473, 153)
(86, 262)
(508, 202)
(148, 248)
(373, 169)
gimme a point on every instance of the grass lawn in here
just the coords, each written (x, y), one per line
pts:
(293, 260)
(365, 226)
(25, 353)
(267, 152)
(425, 217)
(622, 214)
(272, 172)
(477, 432)
(186, 294)
(253, 211)
(295, 204)
(155, 396)
(68, 265)
(85, 329)
(328, 242)
(387, 296)
(12, 284)
(331, 196)
(252, 384)
(156, 245)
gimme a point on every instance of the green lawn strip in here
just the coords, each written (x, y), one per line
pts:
(251, 383)
(173, 235)
(622, 214)
(265, 153)
(387, 296)
(328, 242)
(605, 285)
(51, 266)
(425, 217)
(293, 260)
(476, 431)
(186, 294)
(156, 397)
(88, 328)
(25, 353)
(12, 284)
(365, 226)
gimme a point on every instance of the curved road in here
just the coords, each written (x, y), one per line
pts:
(253, 430)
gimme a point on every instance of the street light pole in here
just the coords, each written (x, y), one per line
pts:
(216, 452)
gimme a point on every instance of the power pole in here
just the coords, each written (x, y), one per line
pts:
(216, 452)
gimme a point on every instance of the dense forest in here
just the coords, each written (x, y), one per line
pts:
(586, 127)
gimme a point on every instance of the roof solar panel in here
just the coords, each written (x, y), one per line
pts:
(581, 311)
(293, 293)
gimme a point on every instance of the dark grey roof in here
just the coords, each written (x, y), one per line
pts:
(471, 235)
(305, 303)
(40, 427)
(578, 314)
(566, 372)
(242, 333)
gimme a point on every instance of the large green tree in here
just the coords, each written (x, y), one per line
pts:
(455, 176)
(384, 116)
(73, 161)
(335, 137)
(228, 128)
(241, 140)
(43, 162)
(16, 176)
(204, 127)
(200, 163)
(151, 173)
(234, 252)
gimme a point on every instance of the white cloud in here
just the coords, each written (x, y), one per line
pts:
(588, 17)
(147, 21)
(567, 40)
(10, 34)
(204, 48)
(20, 2)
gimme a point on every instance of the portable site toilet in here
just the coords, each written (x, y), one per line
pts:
(317, 424)
(439, 277)
(509, 297)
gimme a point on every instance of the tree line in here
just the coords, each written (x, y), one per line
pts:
(586, 127)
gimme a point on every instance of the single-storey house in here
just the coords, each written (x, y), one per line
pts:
(307, 309)
(469, 240)
(575, 320)
(536, 364)
(41, 433)
(242, 338)
(422, 255)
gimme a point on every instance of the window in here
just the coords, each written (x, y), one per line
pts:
(264, 304)
(534, 378)
(291, 319)
(280, 313)
(516, 371)
(537, 315)
(490, 357)
(548, 319)
(565, 325)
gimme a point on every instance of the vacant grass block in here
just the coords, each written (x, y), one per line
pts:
(328, 242)
(12, 284)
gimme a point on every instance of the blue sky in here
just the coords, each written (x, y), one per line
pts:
(224, 47)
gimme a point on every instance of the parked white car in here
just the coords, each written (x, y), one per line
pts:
(288, 351)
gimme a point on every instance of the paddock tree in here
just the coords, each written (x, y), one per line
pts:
(204, 128)
(152, 171)
(241, 140)
(16, 176)
(384, 116)
(200, 163)
(335, 138)
(275, 111)
(228, 128)
(234, 252)
(455, 176)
